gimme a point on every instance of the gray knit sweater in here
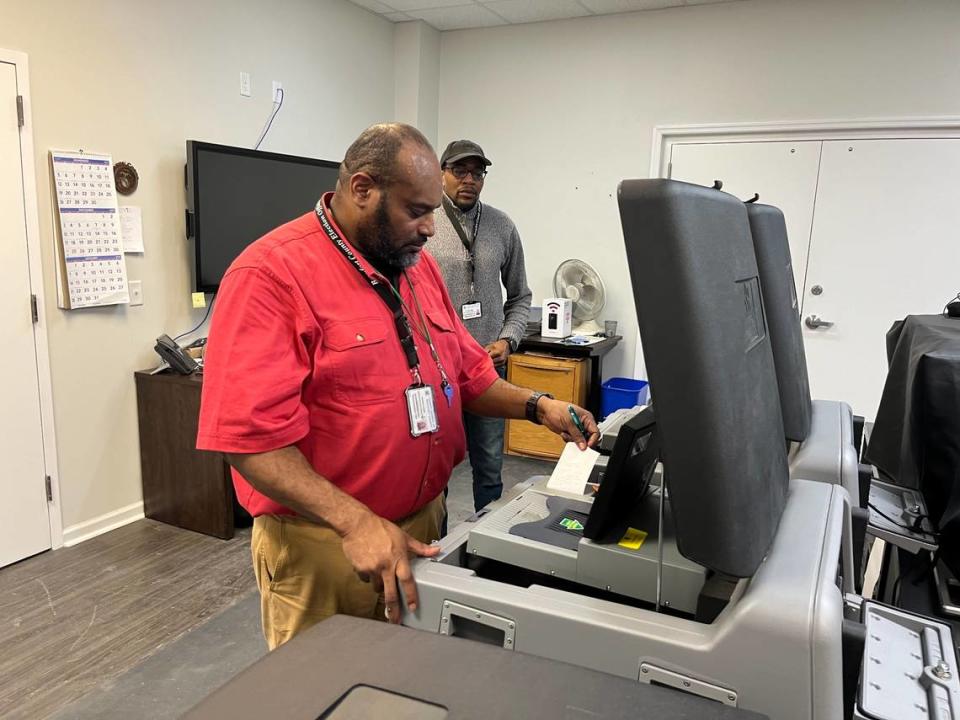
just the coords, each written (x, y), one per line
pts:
(498, 255)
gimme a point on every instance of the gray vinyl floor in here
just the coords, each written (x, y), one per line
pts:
(144, 621)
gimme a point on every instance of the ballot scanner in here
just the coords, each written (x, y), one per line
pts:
(702, 563)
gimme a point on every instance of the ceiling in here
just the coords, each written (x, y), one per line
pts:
(461, 14)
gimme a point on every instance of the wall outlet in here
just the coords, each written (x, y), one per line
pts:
(277, 91)
(135, 288)
(245, 84)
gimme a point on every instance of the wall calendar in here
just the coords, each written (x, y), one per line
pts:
(92, 270)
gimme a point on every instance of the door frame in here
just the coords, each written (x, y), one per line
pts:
(666, 136)
(40, 328)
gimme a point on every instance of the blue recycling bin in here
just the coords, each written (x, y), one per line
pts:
(619, 392)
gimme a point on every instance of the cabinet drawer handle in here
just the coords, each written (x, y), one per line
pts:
(543, 367)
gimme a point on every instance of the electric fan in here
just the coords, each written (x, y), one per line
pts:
(579, 282)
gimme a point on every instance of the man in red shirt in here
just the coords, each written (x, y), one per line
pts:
(335, 377)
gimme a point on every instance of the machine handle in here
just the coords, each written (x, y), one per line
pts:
(813, 322)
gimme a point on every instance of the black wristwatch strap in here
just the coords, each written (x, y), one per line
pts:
(532, 406)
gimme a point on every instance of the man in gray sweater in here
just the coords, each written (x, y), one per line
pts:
(477, 246)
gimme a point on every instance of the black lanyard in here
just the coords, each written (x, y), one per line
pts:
(467, 243)
(393, 303)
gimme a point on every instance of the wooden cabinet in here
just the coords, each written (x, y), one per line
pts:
(182, 486)
(564, 378)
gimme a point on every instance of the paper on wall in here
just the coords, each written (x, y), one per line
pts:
(131, 228)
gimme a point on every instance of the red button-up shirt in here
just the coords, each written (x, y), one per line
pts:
(303, 351)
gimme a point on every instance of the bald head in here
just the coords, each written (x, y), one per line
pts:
(377, 151)
(388, 187)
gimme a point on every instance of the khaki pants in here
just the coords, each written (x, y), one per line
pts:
(304, 577)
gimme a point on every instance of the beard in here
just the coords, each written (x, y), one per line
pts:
(382, 245)
(463, 204)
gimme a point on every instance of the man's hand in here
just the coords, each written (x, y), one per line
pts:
(378, 550)
(555, 415)
(380, 553)
(498, 351)
(503, 399)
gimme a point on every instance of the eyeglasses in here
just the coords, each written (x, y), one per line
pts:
(460, 172)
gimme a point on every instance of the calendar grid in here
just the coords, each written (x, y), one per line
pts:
(90, 246)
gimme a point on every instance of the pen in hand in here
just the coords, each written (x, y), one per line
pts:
(578, 423)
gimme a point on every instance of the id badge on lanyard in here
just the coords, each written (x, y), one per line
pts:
(421, 409)
(471, 310)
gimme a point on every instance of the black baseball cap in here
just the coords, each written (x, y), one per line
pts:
(460, 149)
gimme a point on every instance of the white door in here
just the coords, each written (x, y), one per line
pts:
(784, 174)
(886, 243)
(24, 521)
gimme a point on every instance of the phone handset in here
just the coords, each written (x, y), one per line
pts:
(175, 356)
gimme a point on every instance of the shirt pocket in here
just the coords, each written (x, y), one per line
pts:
(445, 339)
(361, 362)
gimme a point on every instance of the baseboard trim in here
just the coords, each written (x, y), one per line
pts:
(104, 523)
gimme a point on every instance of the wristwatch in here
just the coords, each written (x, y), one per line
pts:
(531, 410)
(512, 343)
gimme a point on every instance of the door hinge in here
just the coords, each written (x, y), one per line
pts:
(34, 310)
(48, 484)
(19, 110)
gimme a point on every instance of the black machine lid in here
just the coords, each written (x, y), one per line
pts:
(707, 350)
(778, 289)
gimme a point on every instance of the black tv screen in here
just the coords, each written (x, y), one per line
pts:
(236, 195)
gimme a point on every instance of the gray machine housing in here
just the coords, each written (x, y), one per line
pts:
(775, 648)
(828, 453)
(609, 567)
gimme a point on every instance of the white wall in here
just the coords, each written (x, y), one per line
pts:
(416, 51)
(137, 79)
(567, 109)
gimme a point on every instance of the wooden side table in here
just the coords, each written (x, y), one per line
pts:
(182, 486)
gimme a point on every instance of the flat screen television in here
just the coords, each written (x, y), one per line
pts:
(236, 195)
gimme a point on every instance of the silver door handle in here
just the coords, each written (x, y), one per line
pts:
(813, 322)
